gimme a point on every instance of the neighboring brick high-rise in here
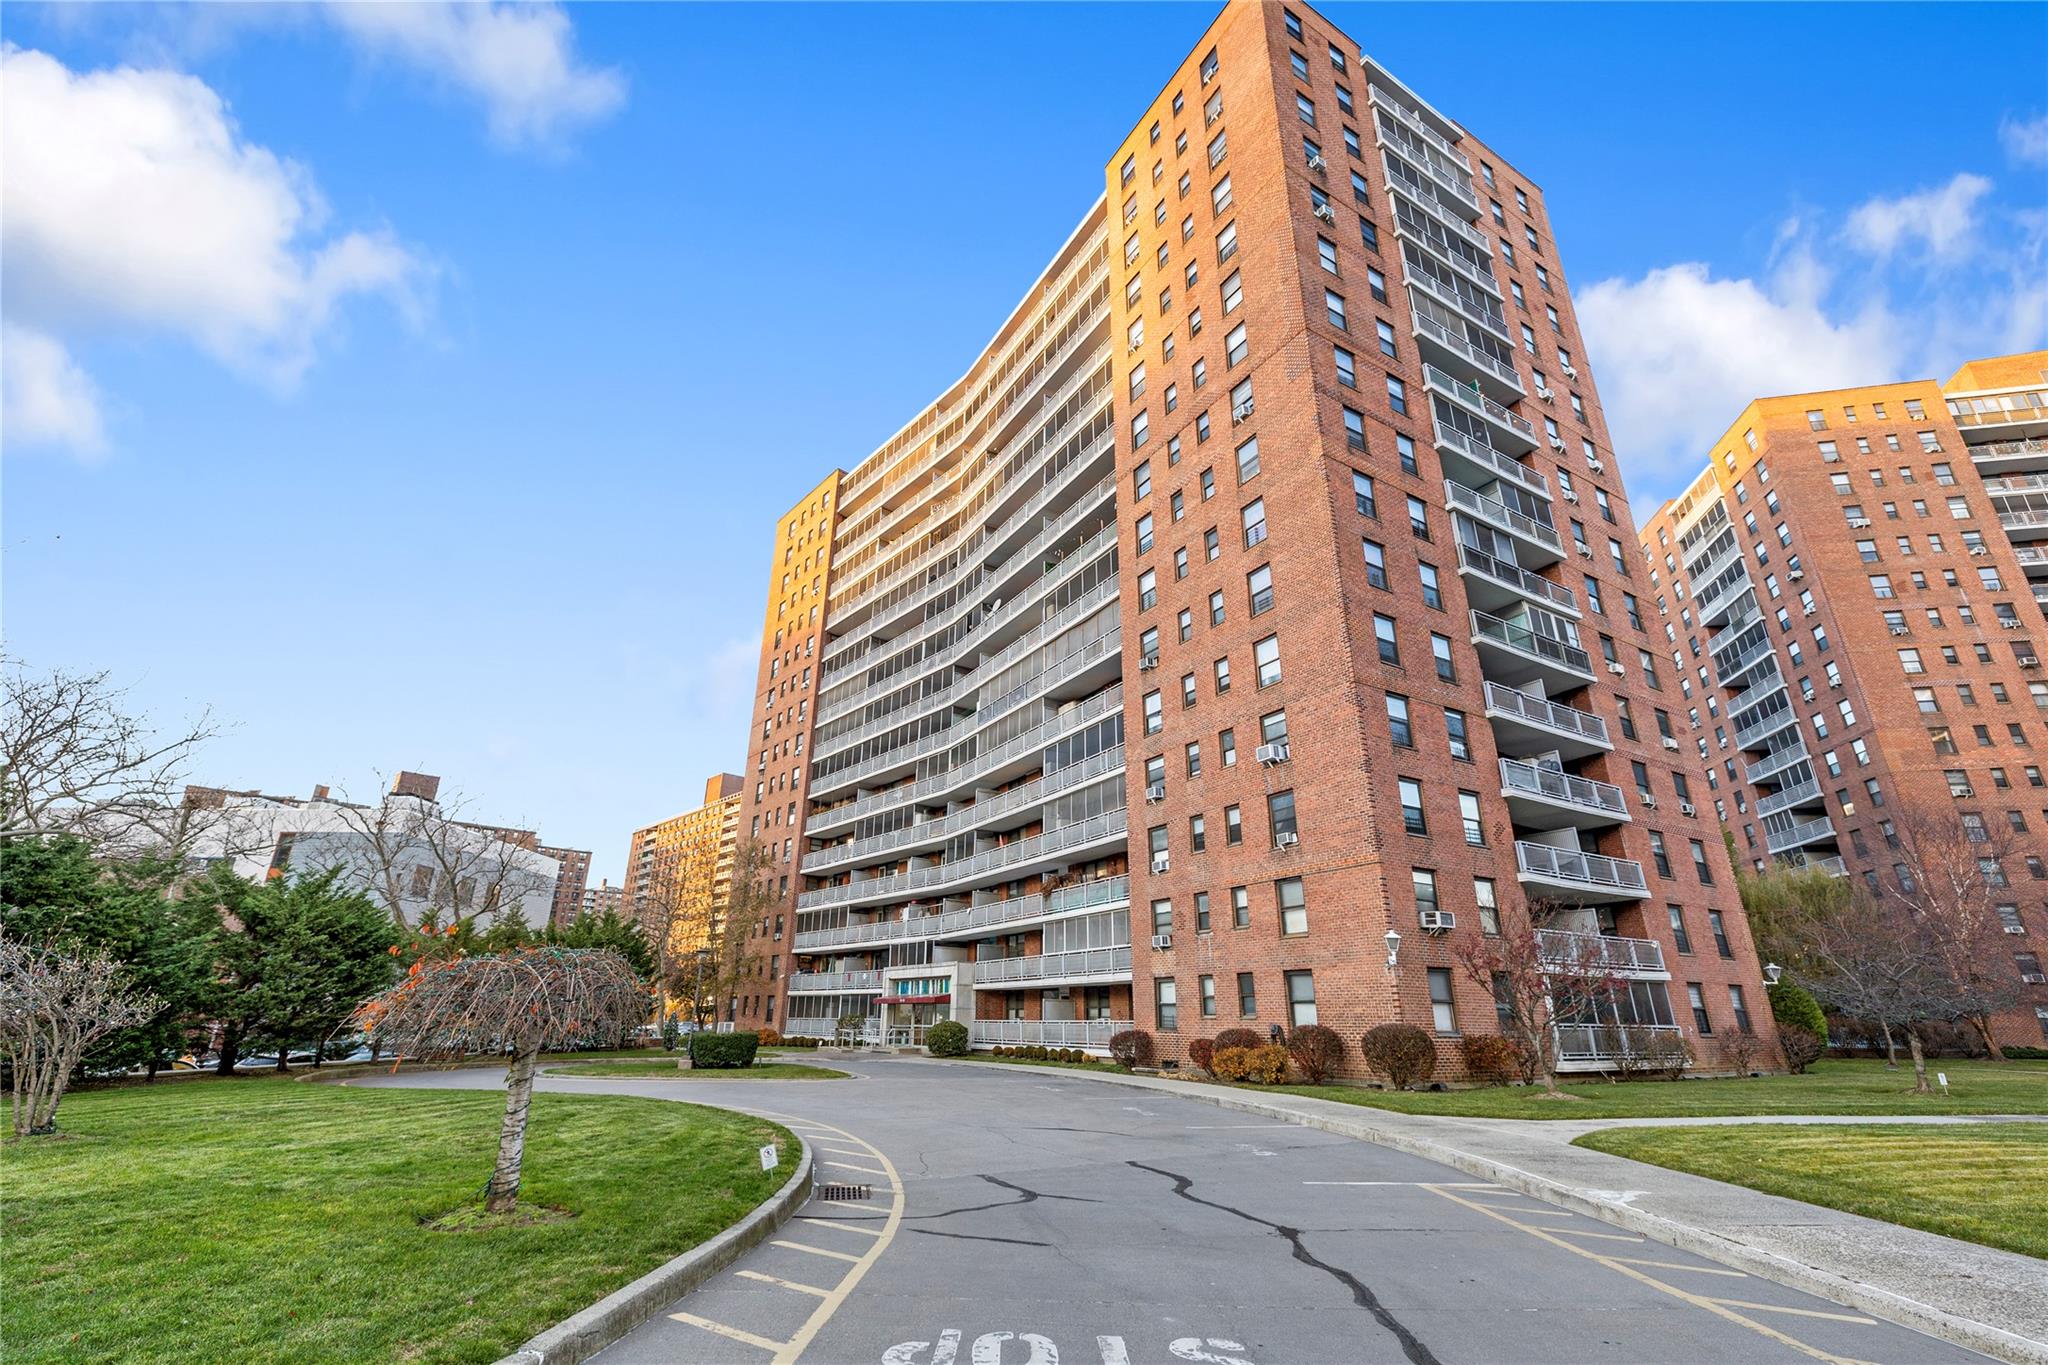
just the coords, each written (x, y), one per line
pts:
(1848, 581)
(1373, 581)
(679, 871)
(569, 884)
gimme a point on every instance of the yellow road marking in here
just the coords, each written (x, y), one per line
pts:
(841, 1151)
(841, 1227)
(730, 1333)
(1540, 1213)
(1612, 1263)
(1674, 1265)
(854, 1206)
(1796, 1312)
(1603, 1236)
(780, 1283)
(815, 1251)
(849, 1166)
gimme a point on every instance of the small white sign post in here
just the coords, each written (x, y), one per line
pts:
(1942, 1078)
(770, 1158)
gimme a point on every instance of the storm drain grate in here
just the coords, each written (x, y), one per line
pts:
(847, 1192)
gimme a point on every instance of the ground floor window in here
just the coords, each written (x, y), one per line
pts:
(1166, 1004)
(1301, 998)
(1445, 1017)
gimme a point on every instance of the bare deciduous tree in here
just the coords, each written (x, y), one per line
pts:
(1541, 987)
(715, 959)
(1863, 956)
(54, 1006)
(75, 760)
(521, 1003)
(410, 854)
(1955, 880)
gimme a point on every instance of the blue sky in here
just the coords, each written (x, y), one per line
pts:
(425, 395)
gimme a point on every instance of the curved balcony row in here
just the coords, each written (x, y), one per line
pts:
(957, 780)
(1100, 894)
(835, 981)
(959, 873)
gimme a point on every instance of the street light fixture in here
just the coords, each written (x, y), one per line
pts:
(1393, 949)
(1772, 971)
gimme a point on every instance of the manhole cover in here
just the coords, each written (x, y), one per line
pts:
(846, 1192)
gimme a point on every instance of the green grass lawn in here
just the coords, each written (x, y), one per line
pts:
(1829, 1087)
(668, 1071)
(1984, 1183)
(266, 1219)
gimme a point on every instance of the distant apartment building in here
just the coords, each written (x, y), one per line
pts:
(406, 851)
(602, 899)
(570, 880)
(1851, 595)
(1258, 618)
(679, 871)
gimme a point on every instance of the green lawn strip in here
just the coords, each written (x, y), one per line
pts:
(271, 1220)
(1984, 1183)
(657, 1071)
(1830, 1087)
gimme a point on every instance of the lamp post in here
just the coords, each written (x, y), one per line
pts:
(1393, 950)
(1772, 971)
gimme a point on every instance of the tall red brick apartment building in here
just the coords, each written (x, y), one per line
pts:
(1258, 618)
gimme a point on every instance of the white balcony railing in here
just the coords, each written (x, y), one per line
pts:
(1452, 387)
(1605, 952)
(835, 981)
(1099, 893)
(1593, 1044)
(1549, 715)
(1526, 641)
(961, 871)
(1531, 585)
(1089, 1033)
(1591, 870)
(1551, 785)
(1500, 514)
(1054, 966)
(1477, 355)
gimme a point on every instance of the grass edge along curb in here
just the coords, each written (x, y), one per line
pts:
(582, 1335)
(1993, 1341)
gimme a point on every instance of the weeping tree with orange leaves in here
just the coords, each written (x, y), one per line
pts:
(521, 1003)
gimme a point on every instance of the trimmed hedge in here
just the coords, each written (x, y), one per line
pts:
(1132, 1047)
(1402, 1053)
(947, 1038)
(2026, 1054)
(1315, 1050)
(1264, 1065)
(714, 1050)
(1790, 1004)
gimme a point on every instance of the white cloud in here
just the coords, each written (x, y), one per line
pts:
(1944, 218)
(1680, 352)
(134, 204)
(45, 399)
(2025, 139)
(520, 60)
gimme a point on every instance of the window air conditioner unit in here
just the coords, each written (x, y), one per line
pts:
(1544, 393)
(1160, 863)
(2030, 663)
(1585, 552)
(1162, 940)
(1649, 801)
(1570, 496)
(1835, 684)
(1859, 522)
(1148, 663)
(1964, 790)
(1570, 373)
(2034, 978)
(1323, 212)
(1617, 670)
(1269, 754)
(1671, 744)
(2014, 929)
(1286, 841)
(1597, 466)
(1978, 551)
(1315, 163)
(1241, 412)
(1557, 443)
(1901, 630)
(1155, 793)
(1796, 576)
(1808, 611)
(2012, 623)
(1687, 809)
(1436, 921)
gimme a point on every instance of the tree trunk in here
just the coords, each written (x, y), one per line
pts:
(502, 1194)
(282, 1053)
(1982, 1023)
(1891, 1048)
(1920, 1086)
(230, 1050)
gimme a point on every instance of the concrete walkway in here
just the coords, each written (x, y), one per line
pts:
(1994, 1301)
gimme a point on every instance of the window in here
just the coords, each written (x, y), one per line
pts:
(1293, 905)
(1398, 724)
(1720, 931)
(1443, 1015)
(1233, 292)
(1266, 659)
(1247, 997)
(1141, 480)
(1412, 818)
(1489, 907)
(1375, 564)
(1386, 336)
(1679, 936)
(1148, 590)
(1377, 283)
(1432, 588)
(1333, 308)
(1301, 997)
(1440, 650)
(1468, 814)
(1699, 864)
(1165, 1004)
(1233, 826)
(1326, 253)
(1234, 346)
(1248, 461)
(1347, 367)
(1739, 1004)
(1240, 907)
(1383, 632)
(1354, 429)
(1397, 395)
(1698, 1000)
(1280, 816)
(1455, 736)
(1259, 584)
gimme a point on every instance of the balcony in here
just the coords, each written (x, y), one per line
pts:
(1466, 360)
(1529, 724)
(1088, 1033)
(974, 920)
(1498, 585)
(2009, 457)
(1514, 435)
(1635, 957)
(1785, 798)
(1598, 1047)
(834, 981)
(2034, 560)
(1777, 760)
(1544, 798)
(1743, 662)
(1092, 966)
(1016, 858)
(2027, 525)
(1719, 597)
(1469, 460)
(1544, 544)
(1753, 735)
(1582, 878)
(1455, 199)
(1799, 835)
(1409, 119)
(1512, 653)
(1833, 866)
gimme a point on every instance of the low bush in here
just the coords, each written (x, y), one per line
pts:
(1240, 1037)
(769, 1037)
(1263, 1065)
(1132, 1047)
(947, 1038)
(1315, 1050)
(2026, 1054)
(1791, 1004)
(710, 1050)
(1202, 1051)
(1402, 1053)
(1802, 1048)
(1489, 1057)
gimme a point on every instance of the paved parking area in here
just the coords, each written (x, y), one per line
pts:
(1020, 1216)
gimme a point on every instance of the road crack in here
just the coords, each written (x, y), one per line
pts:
(1411, 1346)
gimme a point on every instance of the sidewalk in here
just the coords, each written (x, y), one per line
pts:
(1993, 1301)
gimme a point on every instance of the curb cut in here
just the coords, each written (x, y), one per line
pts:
(1978, 1336)
(582, 1335)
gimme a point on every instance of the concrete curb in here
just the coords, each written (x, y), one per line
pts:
(1978, 1336)
(578, 1337)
